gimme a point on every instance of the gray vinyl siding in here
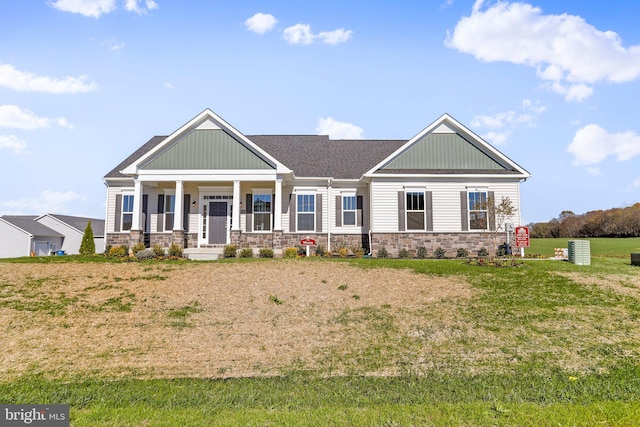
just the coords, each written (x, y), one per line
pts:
(207, 150)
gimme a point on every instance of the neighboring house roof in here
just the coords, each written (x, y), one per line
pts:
(28, 224)
(80, 223)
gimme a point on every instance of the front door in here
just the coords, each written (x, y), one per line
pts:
(217, 223)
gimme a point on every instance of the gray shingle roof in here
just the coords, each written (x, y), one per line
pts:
(306, 155)
(27, 223)
(80, 223)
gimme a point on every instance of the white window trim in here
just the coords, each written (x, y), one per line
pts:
(424, 210)
(262, 192)
(486, 211)
(122, 211)
(355, 209)
(168, 192)
(298, 212)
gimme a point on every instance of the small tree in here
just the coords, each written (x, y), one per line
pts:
(498, 214)
(88, 246)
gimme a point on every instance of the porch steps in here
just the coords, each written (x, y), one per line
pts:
(204, 254)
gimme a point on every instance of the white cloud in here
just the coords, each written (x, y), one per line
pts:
(90, 8)
(298, 34)
(592, 144)
(261, 23)
(567, 52)
(338, 130)
(12, 116)
(506, 122)
(13, 143)
(302, 34)
(28, 82)
(335, 37)
(113, 44)
(136, 6)
(46, 201)
(96, 8)
(594, 171)
(636, 183)
(168, 86)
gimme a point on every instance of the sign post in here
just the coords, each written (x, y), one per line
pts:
(522, 238)
(308, 242)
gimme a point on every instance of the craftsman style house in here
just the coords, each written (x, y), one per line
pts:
(208, 185)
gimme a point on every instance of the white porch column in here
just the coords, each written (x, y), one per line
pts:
(137, 206)
(178, 210)
(235, 219)
(277, 208)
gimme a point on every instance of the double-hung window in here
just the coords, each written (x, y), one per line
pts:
(415, 210)
(169, 211)
(261, 212)
(478, 210)
(306, 212)
(127, 212)
(349, 207)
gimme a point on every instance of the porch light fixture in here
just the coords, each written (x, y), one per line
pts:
(193, 204)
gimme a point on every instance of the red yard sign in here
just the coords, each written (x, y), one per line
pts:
(522, 237)
(308, 242)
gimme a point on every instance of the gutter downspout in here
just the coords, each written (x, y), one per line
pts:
(370, 217)
(329, 183)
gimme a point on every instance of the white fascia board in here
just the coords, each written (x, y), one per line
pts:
(449, 121)
(207, 175)
(510, 177)
(207, 114)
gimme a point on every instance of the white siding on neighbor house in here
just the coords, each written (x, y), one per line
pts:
(445, 198)
(72, 238)
(13, 241)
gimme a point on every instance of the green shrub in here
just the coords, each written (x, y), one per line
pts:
(320, 251)
(462, 253)
(175, 250)
(117, 252)
(382, 252)
(302, 250)
(343, 252)
(403, 254)
(439, 253)
(266, 253)
(483, 252)
(246, 253)
(88, 246)
(230, 251)
(107, 249)
(358, 251)
(290, 253)
(158, 251)
(146, 254)
(138, 247)
(422, 252)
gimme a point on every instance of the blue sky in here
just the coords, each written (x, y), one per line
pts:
(554, 85)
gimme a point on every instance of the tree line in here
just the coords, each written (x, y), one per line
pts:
(616, 222)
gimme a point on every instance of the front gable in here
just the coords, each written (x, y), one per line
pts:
(206, 142)
(447, 148)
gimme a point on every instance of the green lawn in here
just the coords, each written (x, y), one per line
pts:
(600, 247)
(561, 346)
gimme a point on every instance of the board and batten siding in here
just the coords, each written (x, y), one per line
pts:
(445, 197)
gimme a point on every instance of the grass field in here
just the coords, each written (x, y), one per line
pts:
(351, 342)
(601, 247)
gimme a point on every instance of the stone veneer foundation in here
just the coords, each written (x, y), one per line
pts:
(277, 240)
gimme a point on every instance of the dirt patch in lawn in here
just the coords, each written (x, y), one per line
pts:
(218, 319)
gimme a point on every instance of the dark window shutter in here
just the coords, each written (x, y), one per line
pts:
(464, 211)
(428, 195)
(160, 227)
(118, 212)
(249, 210)
(359, 207)
(338, 211)
(145, 211)
(185, 212)
(292, 213)
(401, 211)
(491, 210)
(318, 213)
